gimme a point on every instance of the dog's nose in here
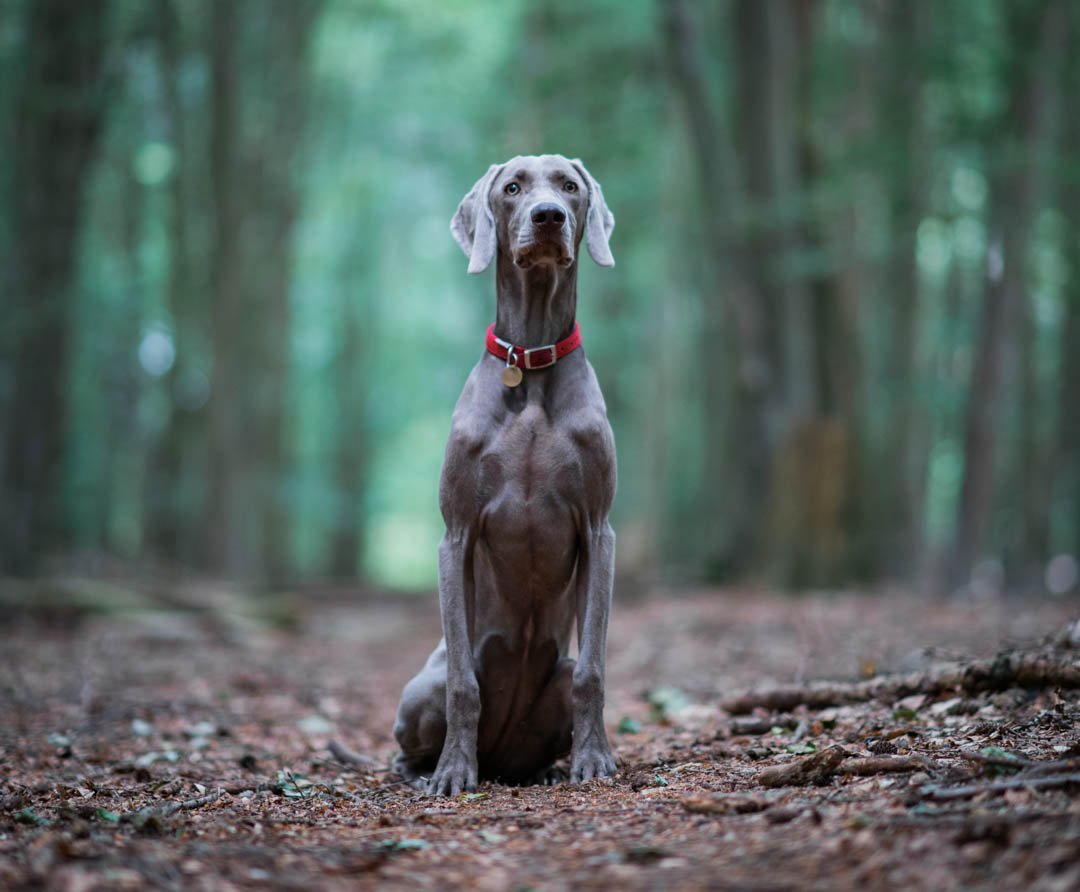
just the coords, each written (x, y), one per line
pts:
(548, 214)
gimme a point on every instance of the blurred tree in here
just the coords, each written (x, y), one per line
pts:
(259, 77)
(892, 505)
(738, 442)
(1031, 76)
(1065, 504)
(61, 101)
(841, 251)
(176, 451)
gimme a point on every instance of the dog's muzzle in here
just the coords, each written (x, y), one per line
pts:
(547, 236)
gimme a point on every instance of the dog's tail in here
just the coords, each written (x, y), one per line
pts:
(350, 757)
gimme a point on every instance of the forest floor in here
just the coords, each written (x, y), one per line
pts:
(177, 739)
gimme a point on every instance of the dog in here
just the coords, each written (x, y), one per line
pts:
(526, 489)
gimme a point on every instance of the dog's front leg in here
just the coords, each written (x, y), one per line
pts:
(457, 770)
(591, 755)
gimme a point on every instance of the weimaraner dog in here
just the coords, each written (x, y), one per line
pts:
(527, 484)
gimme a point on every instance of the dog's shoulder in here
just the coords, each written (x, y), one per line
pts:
(471, 423)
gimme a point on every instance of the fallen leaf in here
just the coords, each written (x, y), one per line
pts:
(315, 724)
(29, 816)
(141, 728)
(404, 845)
(664, 701)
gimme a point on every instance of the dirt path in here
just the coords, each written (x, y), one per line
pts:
(183, 747)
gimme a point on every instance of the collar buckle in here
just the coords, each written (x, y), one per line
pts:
(539, 357)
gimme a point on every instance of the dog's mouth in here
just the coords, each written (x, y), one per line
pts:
(546, 251)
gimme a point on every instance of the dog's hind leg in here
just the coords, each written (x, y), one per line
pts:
(420, 728)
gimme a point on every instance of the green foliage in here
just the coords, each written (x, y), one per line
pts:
(355, 132)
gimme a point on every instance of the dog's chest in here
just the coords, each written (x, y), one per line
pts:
(529, 459)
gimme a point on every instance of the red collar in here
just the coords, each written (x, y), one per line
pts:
(534, 357)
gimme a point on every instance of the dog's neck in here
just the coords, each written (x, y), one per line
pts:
(536, 306)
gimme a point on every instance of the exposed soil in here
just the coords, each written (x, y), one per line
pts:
(178, 740)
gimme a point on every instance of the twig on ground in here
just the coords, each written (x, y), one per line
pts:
(1058, 766)
(1027, 767)
(816, 768)
(153, 814)
(265, 787)
(754, 725)
(957, 820)
(1014, 783)
(1015, 762)
(871, 765)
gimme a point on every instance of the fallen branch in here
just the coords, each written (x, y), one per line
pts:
(754, 725)
(152, 815)
(953, 820)
(350, 757)
(1056, 767)
(871, 765)
(724, 805)
(1015, 783)
(1014, 762)
(1026, 767)
(816, 768)
(264, 787)
(1043, 669)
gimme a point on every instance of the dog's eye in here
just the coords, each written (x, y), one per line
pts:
(512, 189)
(570, 186)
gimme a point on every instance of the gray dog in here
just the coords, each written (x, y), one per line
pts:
(527, 484)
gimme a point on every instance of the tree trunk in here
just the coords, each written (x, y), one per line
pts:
(172, 486)
(1030, 479)
(1011, 217)
(252, 161)
(227, 524)
(894, 509)
(813, 472)
(766, 71)
(352, 434)
(60, 106)
(1066, 538)
(1065, 504)
(739, 441)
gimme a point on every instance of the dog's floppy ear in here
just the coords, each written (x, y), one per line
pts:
(599, 222)
(473, 225)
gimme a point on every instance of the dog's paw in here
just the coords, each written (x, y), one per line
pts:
(592, 762)
(453, 776)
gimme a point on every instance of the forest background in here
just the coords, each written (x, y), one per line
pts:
(841, 343)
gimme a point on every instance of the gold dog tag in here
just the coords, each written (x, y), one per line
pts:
(511, 376)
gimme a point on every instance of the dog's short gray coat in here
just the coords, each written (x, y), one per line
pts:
(527, 484)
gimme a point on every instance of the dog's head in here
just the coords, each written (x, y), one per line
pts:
(537, 208)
